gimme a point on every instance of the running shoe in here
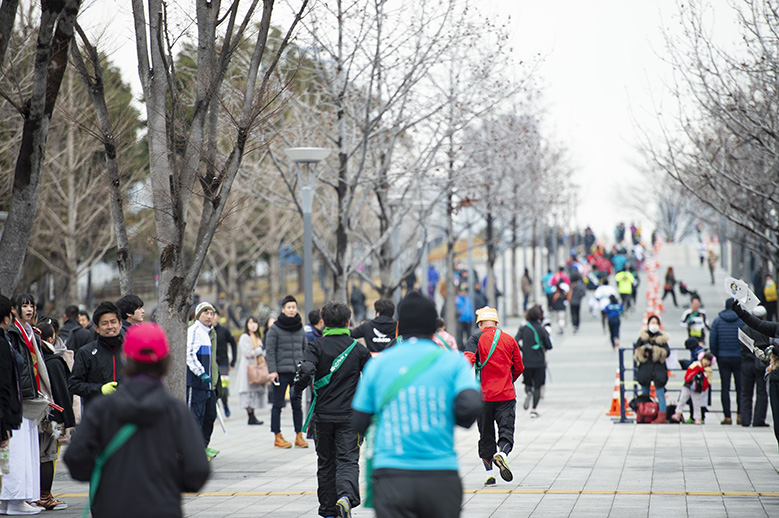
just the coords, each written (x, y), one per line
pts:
(211, 453)
(490, 482)
(344, 507)
(501, 461)
(533, 415)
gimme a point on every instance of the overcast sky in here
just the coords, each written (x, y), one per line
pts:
(603, 72)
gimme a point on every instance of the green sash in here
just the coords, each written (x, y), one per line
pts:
(480, 365)
(325, 380)
(538, 343)
(116, 442)
(444, 345)
(392, 392)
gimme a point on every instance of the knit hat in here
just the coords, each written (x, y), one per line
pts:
(487, 313)
(146, 343)
(288, 298)
(203, 306)
(416, 316)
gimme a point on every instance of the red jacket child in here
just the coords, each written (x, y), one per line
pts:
(703, 381)
(503, 367)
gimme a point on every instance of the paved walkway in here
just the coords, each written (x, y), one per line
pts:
(573, 461)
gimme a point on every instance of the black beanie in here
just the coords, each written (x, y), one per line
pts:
(417, 316)
(288, 298)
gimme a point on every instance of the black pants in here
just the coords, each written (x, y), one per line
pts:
(575, 314)
(417, 494)
(752, 381)
(534, 378)
(673, 295)
(503, 414)
(463, 334)
(614, 330)
(285, 380)
(770, 311)
(773, 395)
(730, 367)
(338, 465)
(203, 405)
(626, 300)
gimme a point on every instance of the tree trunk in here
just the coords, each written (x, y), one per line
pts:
(490, 292)
(51, 60)
(450, 309)
(515, 290)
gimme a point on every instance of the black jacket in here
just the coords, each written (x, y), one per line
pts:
(10, 387)
(378, 333)
(67, 329)
(224, 337)
(58, 377)
(165, 455)
(80, 337)
(534, 354)
(334, 401)
(27, 373)
(95, 365)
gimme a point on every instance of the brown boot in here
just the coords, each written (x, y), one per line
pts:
(727, 420)
(281, 443)
(738, 418)
(300, 441)
(660, 419)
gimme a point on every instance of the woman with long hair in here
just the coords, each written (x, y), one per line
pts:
(249, 348)
(670, 282)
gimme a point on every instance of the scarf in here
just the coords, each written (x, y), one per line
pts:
(290, 324)
(334, 331)
(28, 341)
(256, 343)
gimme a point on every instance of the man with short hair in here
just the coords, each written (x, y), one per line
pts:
(498, 364)
(202, 371)
(314, 326)
(379, 332)
(82, 335)
(334, 362)
(415, 393)
(695, 320)
(97, 367)
(131, 310)
(71, 323)
(84, 320)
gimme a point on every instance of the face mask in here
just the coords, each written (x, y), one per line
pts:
(653, 328)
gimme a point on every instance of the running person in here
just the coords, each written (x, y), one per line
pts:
(535, 342)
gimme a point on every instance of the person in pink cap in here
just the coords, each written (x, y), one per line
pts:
(143, 430)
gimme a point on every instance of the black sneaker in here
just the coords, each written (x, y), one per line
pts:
(490, 482)
(344, 507)
(501, 461)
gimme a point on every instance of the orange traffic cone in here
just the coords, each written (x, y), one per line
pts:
(614, 410)
(652, 392)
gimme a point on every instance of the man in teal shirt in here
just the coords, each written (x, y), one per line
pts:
(416, 392)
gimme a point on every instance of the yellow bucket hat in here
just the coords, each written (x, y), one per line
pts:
(487, 313)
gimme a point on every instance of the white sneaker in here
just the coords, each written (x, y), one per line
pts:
(534, 415)
(20, 508)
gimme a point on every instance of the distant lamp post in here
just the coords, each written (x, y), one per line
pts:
(309, 157)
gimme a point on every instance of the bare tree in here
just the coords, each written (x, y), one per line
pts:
(183, 150)
(58, 18)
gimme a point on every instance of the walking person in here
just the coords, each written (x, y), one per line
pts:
(357, 300)
(334, 363)
(413, 473)
(535, 341)
(613, 314)
(465, 315)
(498, 365)
(770, 297)
(526, 283)
(726, 347)
(251, 397)
(284, 345)
(379, 332)
(224, 339)
(575, 296)
(712, 258)
(158, 440)
(649, 353)
(752, 376)
(203, 372)
(670, 285)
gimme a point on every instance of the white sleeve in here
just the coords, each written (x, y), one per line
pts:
(193, 363)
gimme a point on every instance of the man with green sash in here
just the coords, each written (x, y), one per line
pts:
(412, 396)
(498, 364)
(334, 363)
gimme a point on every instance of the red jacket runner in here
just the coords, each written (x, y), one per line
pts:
(503, 368)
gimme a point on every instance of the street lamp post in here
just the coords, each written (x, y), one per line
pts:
(309, 157)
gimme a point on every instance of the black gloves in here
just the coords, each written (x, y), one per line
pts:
(737, 309)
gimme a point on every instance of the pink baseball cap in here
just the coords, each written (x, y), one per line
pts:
(146, 343)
